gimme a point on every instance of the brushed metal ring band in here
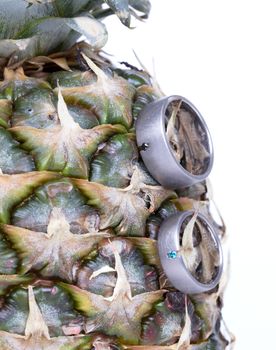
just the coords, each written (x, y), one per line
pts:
(156, 151)
(173, 264)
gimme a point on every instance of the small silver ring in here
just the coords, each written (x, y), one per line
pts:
(156, 151)
(173, 263)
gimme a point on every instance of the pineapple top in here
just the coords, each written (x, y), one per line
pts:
(30, 28)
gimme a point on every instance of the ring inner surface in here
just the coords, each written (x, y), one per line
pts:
(199, 250)
(187, 137)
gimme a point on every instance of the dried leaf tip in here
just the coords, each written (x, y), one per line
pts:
(100, 74)
(171, 132)
(66, 120)
(153, 76)
(136, 180)
(213, 209)
(35, 326)
(122, 287)
(184, 340)
(189, 253)
(104, 269)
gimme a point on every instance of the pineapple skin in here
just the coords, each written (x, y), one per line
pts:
(79, 212)
(80, 215)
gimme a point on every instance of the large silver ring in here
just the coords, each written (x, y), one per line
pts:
(156, 150)
(172, 261)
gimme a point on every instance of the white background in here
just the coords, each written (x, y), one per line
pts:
(221, 55)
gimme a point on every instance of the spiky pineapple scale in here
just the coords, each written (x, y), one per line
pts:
(79, 213)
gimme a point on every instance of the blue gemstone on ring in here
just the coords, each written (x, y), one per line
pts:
(172, 254)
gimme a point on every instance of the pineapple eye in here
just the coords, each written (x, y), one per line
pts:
(190, 252)
(174, 142)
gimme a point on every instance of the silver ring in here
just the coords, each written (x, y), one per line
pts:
(156, 150)
(173, 263)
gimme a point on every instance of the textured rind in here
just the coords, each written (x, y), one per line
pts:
(117, 199)
(53, 301)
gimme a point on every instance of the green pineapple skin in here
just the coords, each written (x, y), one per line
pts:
(79, 212)
(103, 200)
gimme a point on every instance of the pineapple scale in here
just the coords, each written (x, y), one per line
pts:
(79, 218)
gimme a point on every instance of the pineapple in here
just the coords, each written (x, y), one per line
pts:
(79, 212)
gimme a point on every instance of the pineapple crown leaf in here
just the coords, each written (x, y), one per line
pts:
(32, 29)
